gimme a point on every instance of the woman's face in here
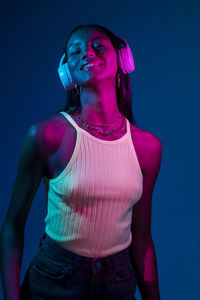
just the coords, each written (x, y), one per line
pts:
(91, 45)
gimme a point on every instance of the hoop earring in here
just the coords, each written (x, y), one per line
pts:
(77, 90)
(118, 80)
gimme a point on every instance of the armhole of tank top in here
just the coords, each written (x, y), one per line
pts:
(71, 161)
(135, 154)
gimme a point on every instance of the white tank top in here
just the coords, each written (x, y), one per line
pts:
(90, 203)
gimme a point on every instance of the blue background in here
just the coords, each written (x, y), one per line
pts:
(164, 38)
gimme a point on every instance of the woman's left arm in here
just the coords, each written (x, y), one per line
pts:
(142, 251)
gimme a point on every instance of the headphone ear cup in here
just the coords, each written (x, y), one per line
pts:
(65, 75)
(125, 56)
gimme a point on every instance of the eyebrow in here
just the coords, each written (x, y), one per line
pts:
(95, 38)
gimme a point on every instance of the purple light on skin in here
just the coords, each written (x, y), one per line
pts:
(49, 137)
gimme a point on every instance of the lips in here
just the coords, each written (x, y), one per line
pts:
(95, 63)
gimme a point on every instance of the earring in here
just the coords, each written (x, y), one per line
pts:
(77, 90)
(118, 80)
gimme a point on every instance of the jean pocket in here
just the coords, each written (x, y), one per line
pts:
(44, 266)
(124, 273)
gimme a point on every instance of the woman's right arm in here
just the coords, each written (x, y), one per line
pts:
(29, 174)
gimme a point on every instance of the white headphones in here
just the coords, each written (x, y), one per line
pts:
(126, 64)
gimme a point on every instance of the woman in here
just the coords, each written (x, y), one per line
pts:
(99, 172)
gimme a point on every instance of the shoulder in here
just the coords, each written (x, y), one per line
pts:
(46, 135)
(145, 137)
(149, 148)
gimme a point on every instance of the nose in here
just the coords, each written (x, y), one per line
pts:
(88, 53)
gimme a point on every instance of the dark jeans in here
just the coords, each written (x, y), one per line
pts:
(59, 274)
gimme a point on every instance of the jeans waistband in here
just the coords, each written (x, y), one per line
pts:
(115, 259)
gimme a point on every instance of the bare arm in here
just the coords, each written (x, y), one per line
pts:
(143, 253)
(29, 174)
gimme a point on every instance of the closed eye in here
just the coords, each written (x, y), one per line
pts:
(74, 52)
(79, 50)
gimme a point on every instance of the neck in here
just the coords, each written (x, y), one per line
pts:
(99, 104)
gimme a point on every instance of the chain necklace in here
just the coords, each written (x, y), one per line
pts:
(87, 124)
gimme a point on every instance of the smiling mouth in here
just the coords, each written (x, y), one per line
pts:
(89, 66)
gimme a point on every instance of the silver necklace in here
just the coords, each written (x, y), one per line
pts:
(88, 124)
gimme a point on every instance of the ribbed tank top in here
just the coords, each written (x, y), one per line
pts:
(90, 202)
